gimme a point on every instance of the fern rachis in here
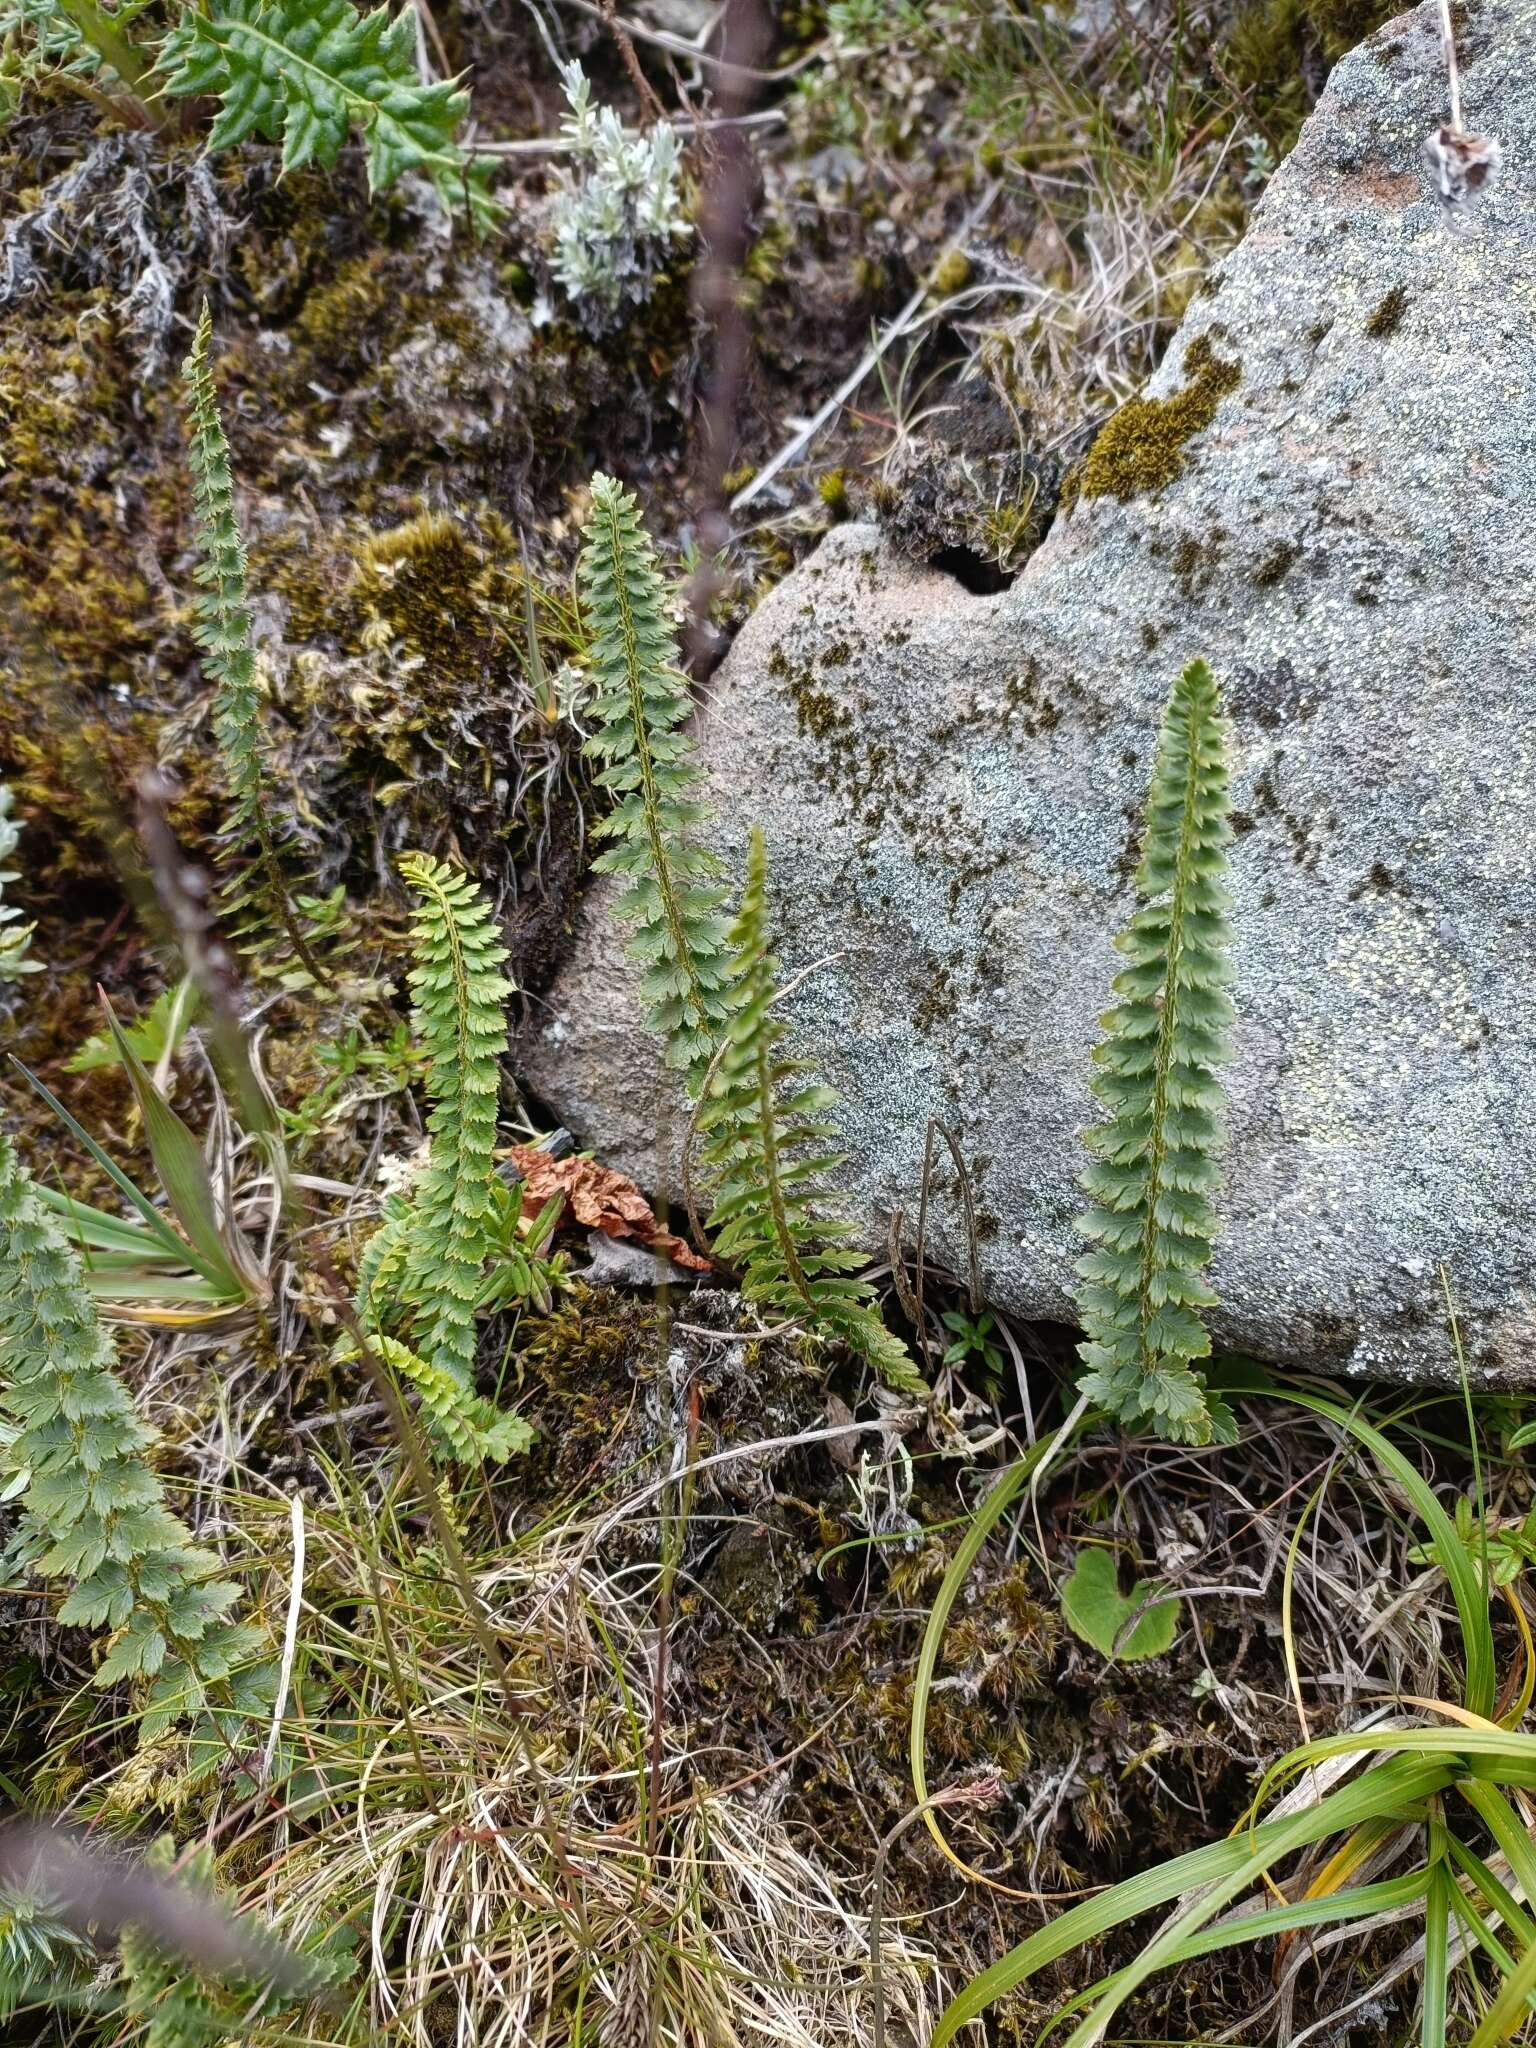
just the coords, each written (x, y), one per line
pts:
(1151, 1212)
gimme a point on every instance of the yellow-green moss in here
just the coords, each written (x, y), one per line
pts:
(1141, 448)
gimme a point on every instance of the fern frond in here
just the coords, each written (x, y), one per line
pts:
(224, 633)
(465, 1425)
(94, 1510)
(460, 996)
(641, 708)
(15, 939)
(306, 72)
(1151, 1213)
(766, 1142)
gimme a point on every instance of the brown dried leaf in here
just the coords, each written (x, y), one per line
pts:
(600, 1199)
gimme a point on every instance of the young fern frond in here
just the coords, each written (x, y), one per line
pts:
(641, 707)
(260, 896)
(94, 1511)
(466, 1426)
(460, 996)
(766, 1144)
(1151, 1216)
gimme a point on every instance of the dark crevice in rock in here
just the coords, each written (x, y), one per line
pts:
(971, 571)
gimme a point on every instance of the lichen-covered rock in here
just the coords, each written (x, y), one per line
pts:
(951, 783)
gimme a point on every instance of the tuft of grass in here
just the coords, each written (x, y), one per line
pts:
(1420, 1814)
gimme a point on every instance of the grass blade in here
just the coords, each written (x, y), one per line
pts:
(1463, 1573)
(180, 1164)
(1437, 1945)
(128, 1189)
(1221, 1872)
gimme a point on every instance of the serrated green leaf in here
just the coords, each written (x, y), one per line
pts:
(309, 72)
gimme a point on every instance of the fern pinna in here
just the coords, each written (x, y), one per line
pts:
(224, 633)
(641, 707)
(93, 1509)
(1155, 1171)
(766, 1146)
(460, 996)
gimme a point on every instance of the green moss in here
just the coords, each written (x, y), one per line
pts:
(1141, 448)
(1388, 316)
(1277, 564)
(950, 274)
(832, 489)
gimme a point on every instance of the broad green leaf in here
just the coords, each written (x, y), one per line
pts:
(1093, 1607)
(158, 1032)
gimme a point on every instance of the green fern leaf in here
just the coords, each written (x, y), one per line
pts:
(767, 1144)
(640, 741)
(1151, 1214)
(93, 1510)
(460, 996)
(307, 72)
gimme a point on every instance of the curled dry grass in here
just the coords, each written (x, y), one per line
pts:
(566, 1873)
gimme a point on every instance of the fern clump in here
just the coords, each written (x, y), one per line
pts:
(15, 939)
(1151, 1216)
(641, 709)
(224, 632)
(308, 72)
(94, 1511)
(766, 1144)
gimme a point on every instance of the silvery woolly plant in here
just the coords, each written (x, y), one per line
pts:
(620, 214)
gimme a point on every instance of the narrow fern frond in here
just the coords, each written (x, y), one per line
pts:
(1151, 1189)
(641, 707)
(94, 1511)
(224, 633)
(766, 1142)
(460, 996)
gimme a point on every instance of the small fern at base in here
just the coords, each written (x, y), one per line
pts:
(672, 895)
(1151, 1188)
(465, 1425)
(766, 1142)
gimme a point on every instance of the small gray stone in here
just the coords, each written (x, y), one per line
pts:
(951, 784)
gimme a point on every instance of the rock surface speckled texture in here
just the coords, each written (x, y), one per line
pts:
(950, 783)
